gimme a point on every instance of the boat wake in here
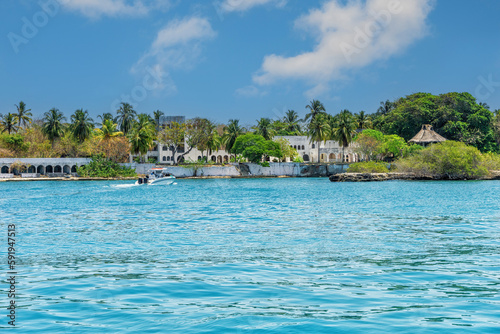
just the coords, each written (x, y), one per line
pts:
(122, 186)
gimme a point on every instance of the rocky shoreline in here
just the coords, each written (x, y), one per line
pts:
(374, 177)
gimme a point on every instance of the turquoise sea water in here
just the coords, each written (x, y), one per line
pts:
(254, 256)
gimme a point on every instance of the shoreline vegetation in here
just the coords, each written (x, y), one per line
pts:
(381, 138)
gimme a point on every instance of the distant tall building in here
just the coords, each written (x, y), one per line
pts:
(165, 121)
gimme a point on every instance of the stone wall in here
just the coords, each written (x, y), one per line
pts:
(251, 170)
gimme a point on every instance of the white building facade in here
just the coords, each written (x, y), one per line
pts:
(329, 151)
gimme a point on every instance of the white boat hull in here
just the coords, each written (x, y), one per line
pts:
(158, 181)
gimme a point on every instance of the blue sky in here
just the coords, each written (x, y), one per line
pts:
(243, 59)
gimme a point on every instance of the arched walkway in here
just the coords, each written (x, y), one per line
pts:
(66, 169)
(213, 158)
(219, 159)
(49, 169)
(5, 170)
(57, 169)
(305, 157)
(73, 169)
(40, 170)
(331, 157)
(32, 169)
(226, 159)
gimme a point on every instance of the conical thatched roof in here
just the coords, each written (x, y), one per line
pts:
(427, 136)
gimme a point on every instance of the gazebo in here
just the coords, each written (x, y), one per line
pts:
(427, 136)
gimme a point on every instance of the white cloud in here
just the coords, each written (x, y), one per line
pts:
(349, 36)
(183, 32)
(176, 46)
(250, 91)
(244, 5)
(98, 8)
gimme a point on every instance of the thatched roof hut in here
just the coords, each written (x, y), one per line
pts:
(427, 136)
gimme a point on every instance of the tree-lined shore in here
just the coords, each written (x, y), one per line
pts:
(379, 136)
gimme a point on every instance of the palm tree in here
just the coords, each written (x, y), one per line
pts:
(214, 141)
(52, 124)
(291, 121)
(385, 107)
(232, 131)
(315, 108)
(264, 128)
(142, 135)
(345, 129)
(108, 130)
(361, 120)
(23, 115)
(318, 130)
(106, 116)
(81, 125)
(484, 105)
(126, 117)
(157, 116)
(9, 123)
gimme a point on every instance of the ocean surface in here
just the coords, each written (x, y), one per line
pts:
(254, 256)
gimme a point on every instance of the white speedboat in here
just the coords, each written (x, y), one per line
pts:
(156, 176)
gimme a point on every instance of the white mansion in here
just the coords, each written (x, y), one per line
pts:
(329, 151)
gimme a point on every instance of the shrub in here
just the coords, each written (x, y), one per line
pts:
(102, 167)
(448, 160)
(368, 167)
(491, 161)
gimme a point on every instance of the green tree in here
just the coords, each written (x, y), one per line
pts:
(344, 131)
(142, 135)
(319, 130)
(157, 117)
(202, 134)
(370, 144)
(232, 131)
(361, 120)
(265, 129)
(394, 146)
(291, 121)
(315, 108)
(286, 149)
(53, 126)
(456, 116)
(255, 147)
(9, 123)
(125, 117)
(173, 137)
(106, 116)
(108, 130)
(385, 107)
(214, 141)
(81, 125)
(23, 115)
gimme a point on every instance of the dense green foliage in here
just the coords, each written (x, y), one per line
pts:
(81, 125)
(14, 142)
(53, 126)
(456, 116)
(374, 145)
(450, 160)
(368, 167)
(255, 147)
(102, 167)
